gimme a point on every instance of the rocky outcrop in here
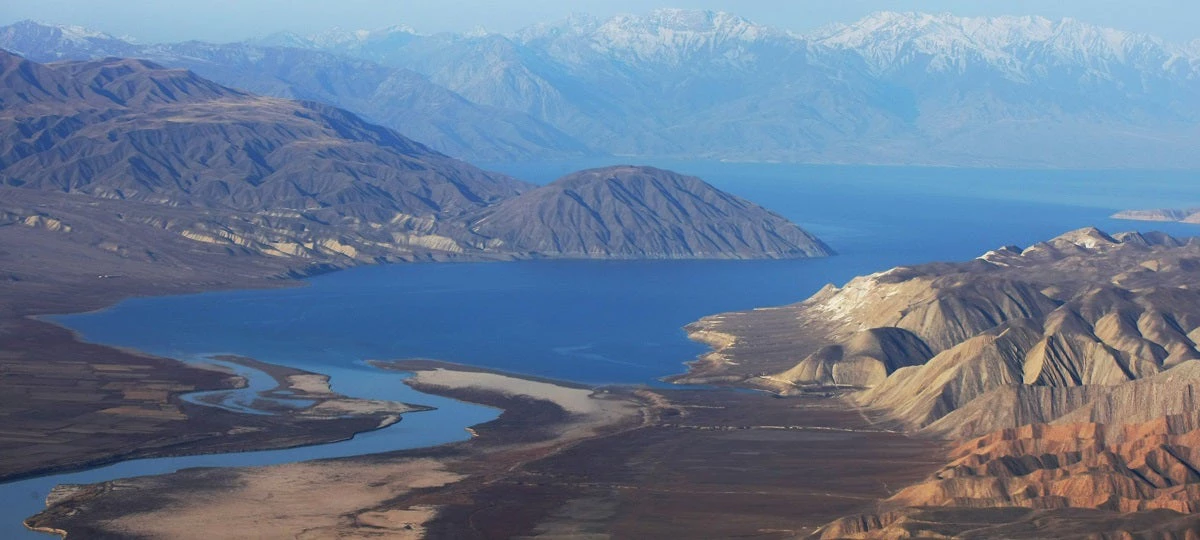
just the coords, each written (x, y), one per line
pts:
(866, 359)
(1014, 337)
(1015, 522)
(1093, 477)
(642, 213)
(1067, 372)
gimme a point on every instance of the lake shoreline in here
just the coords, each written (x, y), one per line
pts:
(32, 311)
(552, 449)
(281, 428)
(513, 433)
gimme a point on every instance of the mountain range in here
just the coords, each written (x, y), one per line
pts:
(896, 88)
(1063, 375)
(131, 158)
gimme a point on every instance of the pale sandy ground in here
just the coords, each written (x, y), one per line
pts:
(577, 401)
(300, 500)
(341, 407)
(317, 386)
(310, 384)
(345, 499)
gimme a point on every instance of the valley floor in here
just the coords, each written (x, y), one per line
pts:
(561, 461)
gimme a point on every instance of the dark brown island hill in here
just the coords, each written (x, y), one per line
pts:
(642, 213)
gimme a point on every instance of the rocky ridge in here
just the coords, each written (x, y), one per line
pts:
(1066, 371)
(1058, 320)
(401, 99)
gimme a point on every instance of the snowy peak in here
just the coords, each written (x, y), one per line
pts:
(941, 28)
(667, 36)
(1015, 45)
(678, 26)
(684, 20)
(572, 26)
(337, 38)
(45, 42)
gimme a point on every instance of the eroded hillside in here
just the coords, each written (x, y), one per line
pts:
(1066, 373)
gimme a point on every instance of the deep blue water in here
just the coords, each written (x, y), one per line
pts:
(620, 322)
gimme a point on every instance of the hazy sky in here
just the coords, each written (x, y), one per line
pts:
(230, 20)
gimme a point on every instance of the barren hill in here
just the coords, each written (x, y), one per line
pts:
(1065, 372)
(176, 163)
(642, 212)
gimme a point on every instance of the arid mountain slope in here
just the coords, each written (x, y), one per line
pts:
(156, 149)
(644, 213)
(128, 129)
(1014, 337)
(400, 99)
(891, 88)
(275, 177)
(1067, 373)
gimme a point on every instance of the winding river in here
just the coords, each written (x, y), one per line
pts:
(445, 424)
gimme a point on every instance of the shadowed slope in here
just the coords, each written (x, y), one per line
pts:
(642, 212)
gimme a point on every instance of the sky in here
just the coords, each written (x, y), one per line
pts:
(232, 20)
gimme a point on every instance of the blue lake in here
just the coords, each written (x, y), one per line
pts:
(615, 322)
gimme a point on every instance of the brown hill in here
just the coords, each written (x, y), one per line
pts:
(310, 185)
(644, 213)
(303, 182)
(128, 129)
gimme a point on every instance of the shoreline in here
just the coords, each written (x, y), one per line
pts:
(353, 422)
(526, 470)
(543, 406)
(45, 313)
(507, 434)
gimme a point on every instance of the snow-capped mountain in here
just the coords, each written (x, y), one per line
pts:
(891, 88)
(666, 36)
(54, 42)
(375, 45)
(1021, 48)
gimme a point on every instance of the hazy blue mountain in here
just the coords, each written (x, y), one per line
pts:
(400, 99)
(49, 43)
(891, 88)
(898, 88)
(1052, 91)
